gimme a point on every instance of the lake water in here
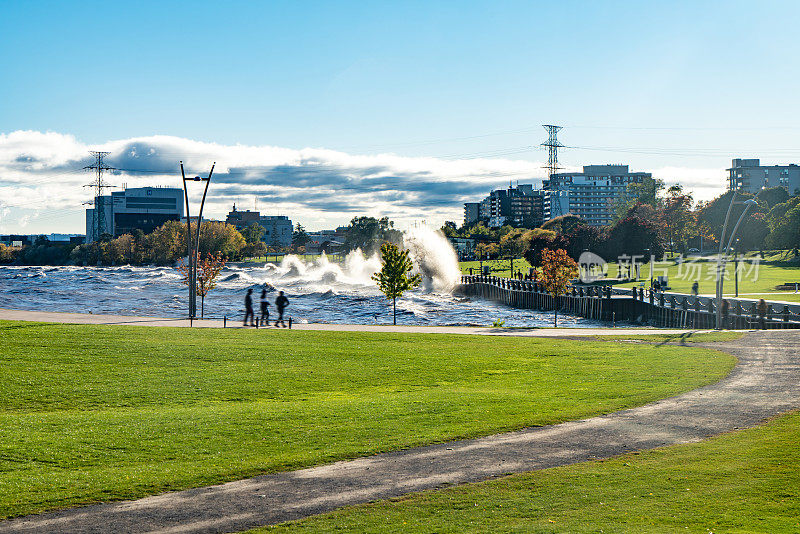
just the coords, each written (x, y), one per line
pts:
(319, 292)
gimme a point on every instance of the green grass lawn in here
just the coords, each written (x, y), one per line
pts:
(747, 481)
(498, 267)
(759, 282)
(98, 413)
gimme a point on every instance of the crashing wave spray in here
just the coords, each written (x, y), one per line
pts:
(434, 258)
(430, 251)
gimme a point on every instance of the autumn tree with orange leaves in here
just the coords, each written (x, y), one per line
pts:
(208, 268)
(556, 273)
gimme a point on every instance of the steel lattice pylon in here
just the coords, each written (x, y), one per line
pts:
(552, 145)
(98, 215)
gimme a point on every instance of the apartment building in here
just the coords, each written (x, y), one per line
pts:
(591, 194)
(749, 176)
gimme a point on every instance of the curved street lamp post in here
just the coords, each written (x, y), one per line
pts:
(192, 245)
(721, 260)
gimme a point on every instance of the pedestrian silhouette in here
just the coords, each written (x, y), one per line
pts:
(248, 308)
(281, 302)
(762, 314)
(695, 288)
(264, 308)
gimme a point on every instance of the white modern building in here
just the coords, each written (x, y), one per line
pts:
(591, 194)
(749, 176)
(136, 208)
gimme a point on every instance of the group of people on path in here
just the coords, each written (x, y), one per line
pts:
(280, 303)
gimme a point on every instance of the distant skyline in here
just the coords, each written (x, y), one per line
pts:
(386, 108)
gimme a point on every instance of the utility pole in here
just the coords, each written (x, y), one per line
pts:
(552, 145)
(99, 212)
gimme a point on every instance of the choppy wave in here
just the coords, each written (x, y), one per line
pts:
(319, 291)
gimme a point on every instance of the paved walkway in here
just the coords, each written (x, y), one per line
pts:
(88, 318)
(765, 382)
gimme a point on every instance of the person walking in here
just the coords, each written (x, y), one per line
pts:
(248, 308)
(281, 302)
(695, 288)
(264, 320)
(761, 308)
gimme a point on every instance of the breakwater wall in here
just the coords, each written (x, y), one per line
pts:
(637, 305)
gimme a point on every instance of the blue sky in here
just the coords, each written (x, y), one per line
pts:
(677, 88)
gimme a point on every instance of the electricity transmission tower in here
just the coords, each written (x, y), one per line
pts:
(99, 212)
(552, 145)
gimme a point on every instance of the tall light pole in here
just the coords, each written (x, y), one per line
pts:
(192, 245)
(720, 260)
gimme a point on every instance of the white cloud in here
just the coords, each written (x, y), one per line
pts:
(317, 187)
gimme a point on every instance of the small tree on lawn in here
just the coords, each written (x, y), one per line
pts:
(207, 270)
(555, 275)
(393, 279)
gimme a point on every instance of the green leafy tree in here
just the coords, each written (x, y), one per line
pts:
(784, 224)
(645, 192)
(220, 237)
(367, 233)
(449, 229)
(678, 218)
(393, 279)
(253, 233)
(299, 237)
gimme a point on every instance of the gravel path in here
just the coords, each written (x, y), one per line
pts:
(765, 382)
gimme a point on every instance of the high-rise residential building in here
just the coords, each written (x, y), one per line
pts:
(521, 205)
(277, 228)
(591, 194)
(136, 208)
(749, 176)
(472, 212)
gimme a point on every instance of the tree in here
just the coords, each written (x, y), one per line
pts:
(299, 237)
(220, 237)
(208, 268)
(563, 224)
(678, 218)
(582, 238)
(646, 192)
(486, 251)
(253, 233)
(540, 241)
(784, 224)
(367, 233)
(450, 229)
(557, 271)
(633, 236)
(393, 279)
(167, 243)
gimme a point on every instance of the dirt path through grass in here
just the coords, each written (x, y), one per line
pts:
(766, 382)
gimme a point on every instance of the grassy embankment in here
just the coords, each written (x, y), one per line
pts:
(98, 413)
(746, 481)
(771, 273)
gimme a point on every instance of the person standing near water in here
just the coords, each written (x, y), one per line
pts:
(264, 308)
(281, 302)
(248, 308)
